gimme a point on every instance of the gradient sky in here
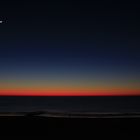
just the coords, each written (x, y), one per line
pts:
(69, 49)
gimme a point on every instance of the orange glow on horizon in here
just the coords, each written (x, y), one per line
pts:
(69, 93)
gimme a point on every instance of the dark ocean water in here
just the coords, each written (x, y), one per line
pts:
(82, 104)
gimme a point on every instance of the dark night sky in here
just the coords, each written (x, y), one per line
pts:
(76, 45)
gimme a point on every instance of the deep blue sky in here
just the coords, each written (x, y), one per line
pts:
(76, 41)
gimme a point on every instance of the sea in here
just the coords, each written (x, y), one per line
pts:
(70, 104)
